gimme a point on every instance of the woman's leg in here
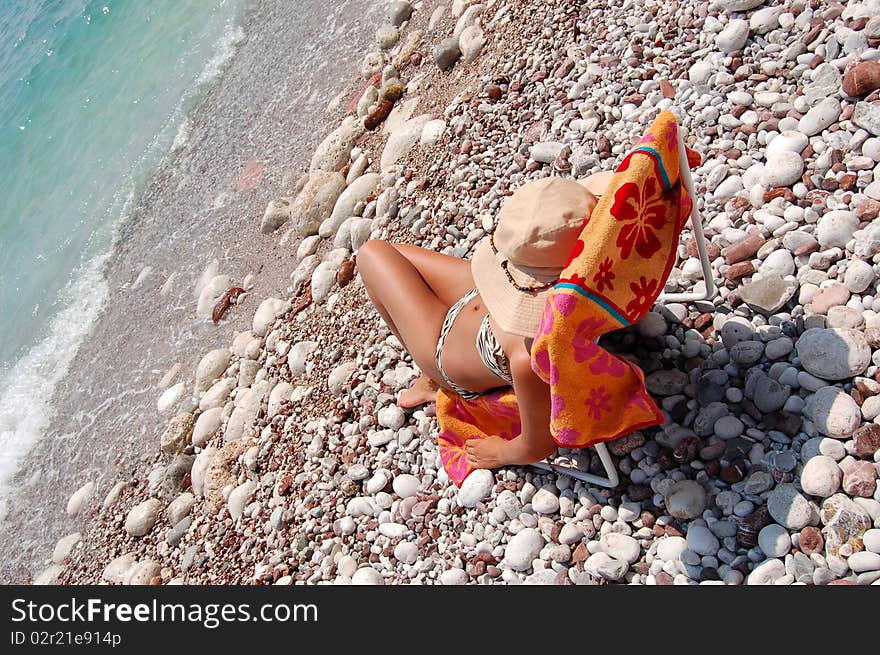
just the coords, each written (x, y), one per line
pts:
(412, 289)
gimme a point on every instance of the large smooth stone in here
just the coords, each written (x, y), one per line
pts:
(733, 36)
(834, 353)
(686, 499)
(333, 152)
(789, 508)
(354, 194)
(211, 367)
(834, 412)
(783, 169)
(476, 486)
(821, 116)
(314, 204)
(402, 140)
(523, 547)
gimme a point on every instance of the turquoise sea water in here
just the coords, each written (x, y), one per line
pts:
(92, 95)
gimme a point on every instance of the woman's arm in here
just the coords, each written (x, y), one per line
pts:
(533, 398)
(534, 442)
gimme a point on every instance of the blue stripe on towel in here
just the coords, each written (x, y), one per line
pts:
(656, 155)
(596, 299)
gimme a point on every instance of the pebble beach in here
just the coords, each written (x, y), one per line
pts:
(280, 456)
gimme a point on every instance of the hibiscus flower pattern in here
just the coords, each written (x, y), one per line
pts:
(604, 277)
(598, 402)
(607, 364)
(643, 210)
(645, 295)
(576, 250)
(583, 343)
(557, 404)
(671, 137)
(566, 435)
(543, 367)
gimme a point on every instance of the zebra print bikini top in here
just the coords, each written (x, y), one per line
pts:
(488, 348)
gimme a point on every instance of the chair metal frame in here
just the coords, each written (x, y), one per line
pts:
(612, 479)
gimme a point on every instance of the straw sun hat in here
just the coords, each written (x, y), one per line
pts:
(515, 267)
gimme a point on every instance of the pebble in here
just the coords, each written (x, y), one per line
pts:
(398, 12)
(446, 53)
(621, 547)
(393, 530)
(64, 546)
(240, 497)
(783, 169)
(545, 151)
(367, 575)
(701, 540)
(522, 548)
(774, 540)
(670, 548)
(859, 275)
(821, 476)
(833, 353)
(142, 517)
(836, 228)
(767, 572)
(405, 485)
(871, 540)
(786, 141)
(867, 116)
(406, 552)
(545, 502)
(685, 499)
(602, 564)
(571, 533)
(432, 132)
(206, 426)
(733, 36)
(391, 417)
(821, 116)
(789, 508)
(180, 507)
(387, 36)
(452, 577)
(834, 412)
(475, 487)
(78, 498)
(728, 427)
(864, 561)
(339, 376)
(471, 42)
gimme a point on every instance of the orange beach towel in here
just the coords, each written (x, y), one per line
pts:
(616, 270)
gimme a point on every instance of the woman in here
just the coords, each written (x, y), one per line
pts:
(469, 324)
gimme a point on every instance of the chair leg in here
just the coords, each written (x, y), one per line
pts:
(700, 239)
(611, 481)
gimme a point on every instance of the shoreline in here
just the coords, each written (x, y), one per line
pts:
(294, 465)
(188, 214)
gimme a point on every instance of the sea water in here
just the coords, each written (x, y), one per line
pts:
(92, 95)
(126, 127)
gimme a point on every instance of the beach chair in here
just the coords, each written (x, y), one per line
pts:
(611, 478)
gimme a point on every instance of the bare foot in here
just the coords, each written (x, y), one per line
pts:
(422, 391)
(495, 452)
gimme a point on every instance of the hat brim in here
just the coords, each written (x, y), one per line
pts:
(515, 311)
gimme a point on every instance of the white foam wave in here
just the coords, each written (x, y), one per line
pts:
(225, 51)
(27, 387)
(182, 136)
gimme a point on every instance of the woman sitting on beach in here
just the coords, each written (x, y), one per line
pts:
(469, 325)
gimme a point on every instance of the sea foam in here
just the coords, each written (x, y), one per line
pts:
(26, 388)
